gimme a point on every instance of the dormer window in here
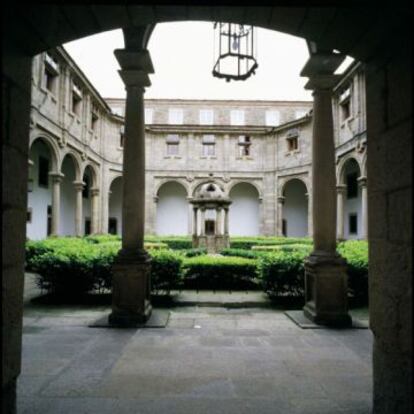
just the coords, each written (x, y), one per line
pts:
(50, 74)
(206, 117)
(244, 145)
(76, 99)
(175, 116)
(272, 118)
(237, 117)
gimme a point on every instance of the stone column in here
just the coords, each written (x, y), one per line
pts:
(79, 185)
(131, 283)
(364, 207)
(94, 210)
(280, 202)
(340, 192)
(195, 218)
(203, 222)
(218, 222)
(226, 222)
(326, 299)
(56, 180)
(310, 221)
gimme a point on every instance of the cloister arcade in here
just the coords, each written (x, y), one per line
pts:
(384, 44)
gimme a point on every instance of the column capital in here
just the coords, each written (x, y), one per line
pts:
(57, 177)
(134, 60)
(134, 78)
(281, 199)
(322, 83)
(341, 188)
(362, 181)
(94, 191)
(79, 185)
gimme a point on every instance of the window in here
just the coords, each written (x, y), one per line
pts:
(29, 215)
(353, 223)
(50, 74)
(345, 104)
(86, 187)
(237, 117)
(43, 177)
(76, 99)
(300, 113)
(244, 145)
(272, 118)
(209, 144)
(210, 227)
(292, 143)
(352, 185)
(284, 227)
(175, 116)
(49, 220)
(121, 136)
(94, 119)
(148, 115)
(206, 117)
(112, 225)
(173, 141)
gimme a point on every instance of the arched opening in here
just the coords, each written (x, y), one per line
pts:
(115, 207)
(172, 210)
(295, 209)
(352, 200)
(68, 198)
(39, 200)
(244, 215)
(88, 179)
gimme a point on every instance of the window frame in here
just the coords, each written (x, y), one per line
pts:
(237, 120)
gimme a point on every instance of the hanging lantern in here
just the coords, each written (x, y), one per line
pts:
(236, 51)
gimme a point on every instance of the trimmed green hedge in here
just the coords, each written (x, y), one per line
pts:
(248, 254)
(218, 272)
(248, 242)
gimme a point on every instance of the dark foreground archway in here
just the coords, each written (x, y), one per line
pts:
(378, 36)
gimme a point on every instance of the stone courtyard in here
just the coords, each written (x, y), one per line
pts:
(208, 359)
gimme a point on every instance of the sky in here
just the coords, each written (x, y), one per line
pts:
(183, 58)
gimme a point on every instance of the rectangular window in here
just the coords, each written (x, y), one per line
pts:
(76, 99)
(121, 136)
(112, 225)
(43, 177)
(50, 74)
(237, 117)
(284, 227)
(352, 185)
(94, 119)
(175, 116)
(244, 145)
(148, 116)
(292, 143)
(206, 117)
(29, 215)
(345, 104)
(209, 144)
(210, 227)
(272, 118)
(173, 142)
(353, 223)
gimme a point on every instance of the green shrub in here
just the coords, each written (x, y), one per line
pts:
(248, 254)
(294, 247)
(248, 242)
(102, 238)
(356, 254)
(282, 273)
(166, 270)
(215, 272)
(199, 251)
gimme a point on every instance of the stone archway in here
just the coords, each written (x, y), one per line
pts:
(295, 209)
(172, 210)
(70, 173)
(115, 206)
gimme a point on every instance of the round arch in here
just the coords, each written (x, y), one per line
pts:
(295, 208)
(197, 186)
(76, 162)
(342, 166)
(233, 184)
(93, 171)
(53, 148)
(288, 180)
(115, 205)
(244, 214)
(165, 181)
(172, 215)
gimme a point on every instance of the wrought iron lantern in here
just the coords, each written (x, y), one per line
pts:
(236, 59)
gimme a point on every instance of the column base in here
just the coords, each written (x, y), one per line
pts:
(131, 290)
(326, 297)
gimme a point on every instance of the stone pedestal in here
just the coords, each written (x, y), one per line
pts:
(326, 291)
(131, 291)
(213, 244)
